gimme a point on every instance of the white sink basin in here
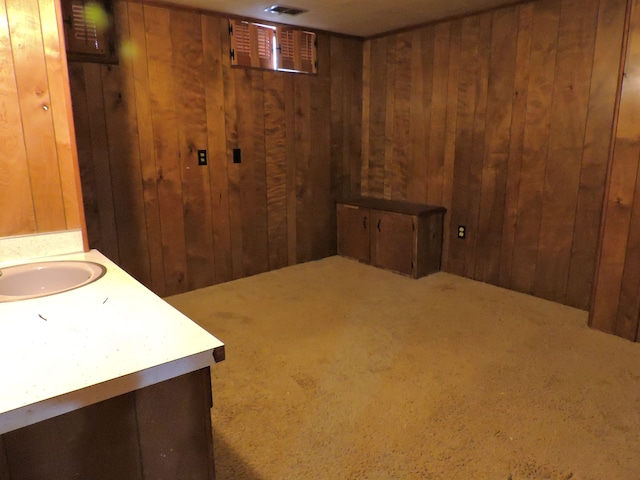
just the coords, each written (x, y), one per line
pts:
(33, 280)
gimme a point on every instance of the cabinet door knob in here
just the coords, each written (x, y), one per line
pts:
(379, 222)
(364, 222)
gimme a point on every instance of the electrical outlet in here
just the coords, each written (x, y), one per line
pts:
(202, 157)
(462, 232)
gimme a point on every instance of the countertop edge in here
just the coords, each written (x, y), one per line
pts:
(52, 407)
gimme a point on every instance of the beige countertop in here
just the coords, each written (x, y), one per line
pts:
(66, 351)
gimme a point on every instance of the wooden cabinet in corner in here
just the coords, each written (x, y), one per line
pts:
(400, 236)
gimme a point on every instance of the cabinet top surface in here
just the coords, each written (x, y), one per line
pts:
(65, 351)
(397, 206)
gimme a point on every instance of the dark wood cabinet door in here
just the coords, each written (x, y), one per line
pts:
(392, 241)
(159, 432)
(174, 428)
(353, 232)
(98, 442)
(4, 468)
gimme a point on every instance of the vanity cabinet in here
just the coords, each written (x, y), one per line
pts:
(162, 431)
(400, 236)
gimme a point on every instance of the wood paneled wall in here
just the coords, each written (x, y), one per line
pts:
(177, 226)
(504, 118)
(616, 305)
(39, 183)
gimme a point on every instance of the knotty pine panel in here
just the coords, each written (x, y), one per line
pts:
(39, 181)
(189, 225)
(503, 112)
(15, 189)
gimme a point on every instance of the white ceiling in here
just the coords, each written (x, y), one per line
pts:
(362, 18)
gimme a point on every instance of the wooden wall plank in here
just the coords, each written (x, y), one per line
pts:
(478, 146)
(429, 101)
(516, 140)
(496, 152)
(437, 124)
(353, 98)
(246, 169)
(466, 113)
(303, 192)
(627, 317)
(233, 172)
(606, 59)
(576, 38)
(451, 128)
(276, 169)
(37, 115)
(366, 116)
(15, 187)
(124, 160)
(58, 81)
(628, 314)
(216, 144)
(536, 135)
(163, 114)
(149, 177)
(260, 237)
(86, 165)
(188, 71)
(605, 314)
(291, 163)
(318, 184)
(339, 108)
(377, 118)
(108, 242)
(387, 169)
(401, 106)
(417, 166)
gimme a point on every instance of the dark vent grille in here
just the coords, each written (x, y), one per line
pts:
(279, 9)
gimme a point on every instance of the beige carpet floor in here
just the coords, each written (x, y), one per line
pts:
(338, 370)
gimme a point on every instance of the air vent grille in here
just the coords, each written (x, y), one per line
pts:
(281, 9)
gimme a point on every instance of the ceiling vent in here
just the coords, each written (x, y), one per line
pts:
(280, 9)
